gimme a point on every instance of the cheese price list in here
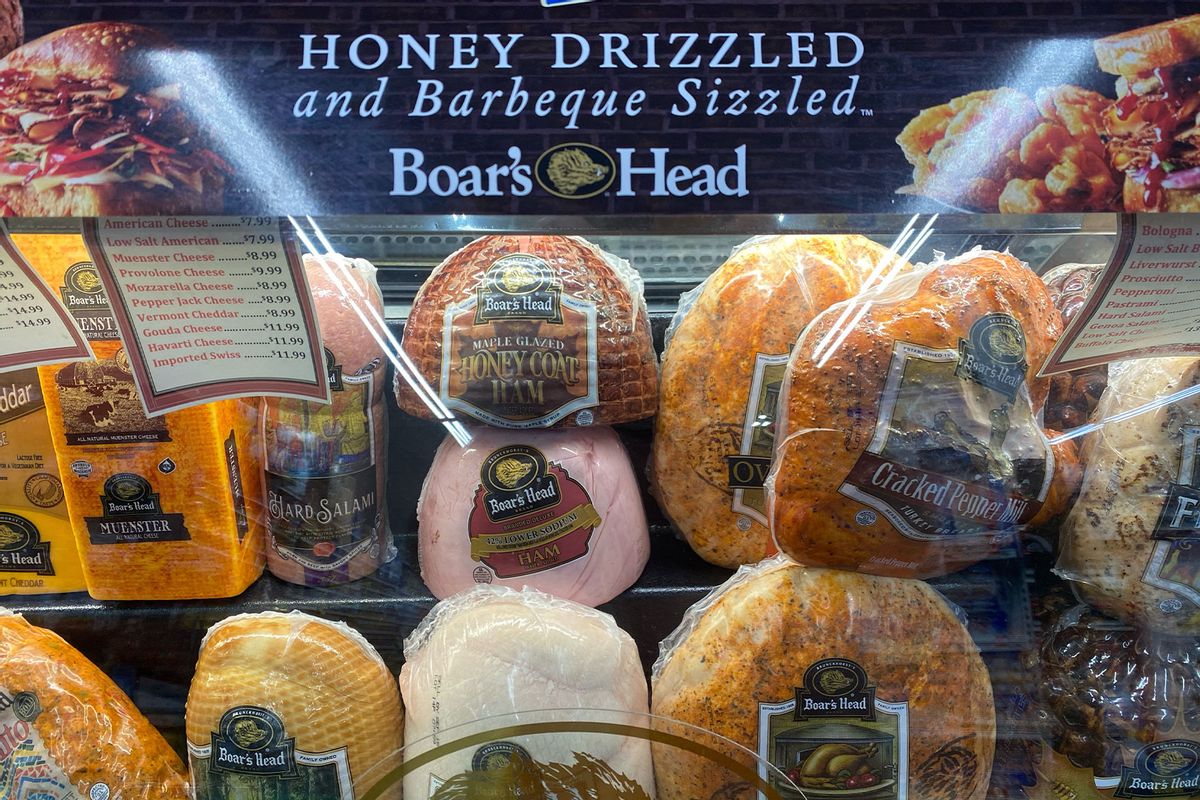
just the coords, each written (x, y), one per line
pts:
(211, 301)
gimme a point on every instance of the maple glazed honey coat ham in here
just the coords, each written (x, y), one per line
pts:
(721, 373)
(556, 510)
(844, 682)
(908, 439)
(66, 731)
(292, 703)
(530, 332)
(326, 463)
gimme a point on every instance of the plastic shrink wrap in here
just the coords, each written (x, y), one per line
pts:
(1128, 543)
(1073, 395)
(38, 554)
(326, 463)
(559, 511)
(66, 731)
(496, 651)
(1115, 713)
(163, 508)
(850, 684)
(292, 705)
(727, 349)
(529, 332)
(908, 439)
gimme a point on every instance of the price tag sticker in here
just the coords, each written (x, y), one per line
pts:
(209, 308)
(35, 329)
(1145, 303)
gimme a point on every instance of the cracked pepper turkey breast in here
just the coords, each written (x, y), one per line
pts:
(721, 371)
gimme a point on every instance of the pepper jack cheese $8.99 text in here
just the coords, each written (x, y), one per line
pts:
(167, 507)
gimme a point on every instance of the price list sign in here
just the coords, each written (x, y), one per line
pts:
(34, 327)
(209, 308)
(1145, 303)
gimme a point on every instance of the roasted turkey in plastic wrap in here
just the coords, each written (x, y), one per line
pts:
(908, 440)
(724, 360)
(1130, 543)
(68, 731)
(532, 331)
(842, 672)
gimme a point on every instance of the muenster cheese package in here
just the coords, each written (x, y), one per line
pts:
(844, 682)
(289, 705)
(908, 439)
(37, 548)
(168, 507)
(66, 731)
(726, 353)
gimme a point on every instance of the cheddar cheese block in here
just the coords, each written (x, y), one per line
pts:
(162, 508)
(37, 548)
(290, 700)
(66, 731)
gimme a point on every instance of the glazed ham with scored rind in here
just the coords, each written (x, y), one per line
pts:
(626, 372)
(79, 721)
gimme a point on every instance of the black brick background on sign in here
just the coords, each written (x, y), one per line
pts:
(246, 80)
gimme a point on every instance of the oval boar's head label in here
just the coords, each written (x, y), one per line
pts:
(528, 515)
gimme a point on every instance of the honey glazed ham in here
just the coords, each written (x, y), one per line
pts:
(908, 440)
(92, 123)
(529, 332)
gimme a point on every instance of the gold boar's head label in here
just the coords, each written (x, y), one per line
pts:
(251, 741)
(528, 515)
(83, 295)
(993, 354)
(1163, 769)
(131, 513)
(21, 546)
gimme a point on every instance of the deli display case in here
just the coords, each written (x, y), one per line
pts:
(599, 399)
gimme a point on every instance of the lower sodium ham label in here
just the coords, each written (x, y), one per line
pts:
(528, 515)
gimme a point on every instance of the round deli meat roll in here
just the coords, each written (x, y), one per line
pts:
(1130, 542)
(846, 683)
(1073, 395)
(292, 705)
(727, 350)
(908, 439)
(531, 332)
(493, 658)
(1118, 710)
(67, 731)
(556, 510)
(326, 462)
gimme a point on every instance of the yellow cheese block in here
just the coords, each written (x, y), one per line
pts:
(290, 700)
(37, 548)
(162, 508)
(66, 731)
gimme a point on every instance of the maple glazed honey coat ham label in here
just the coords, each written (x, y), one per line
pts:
(520, 352)
(529, 515)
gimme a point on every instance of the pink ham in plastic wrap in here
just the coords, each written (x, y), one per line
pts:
(326, 464)
(558, 511)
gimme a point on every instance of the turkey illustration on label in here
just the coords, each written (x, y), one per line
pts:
(979, 428)
(835, 736)
(528, 515)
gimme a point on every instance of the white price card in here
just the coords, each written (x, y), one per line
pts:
(209, 308)
(34, 327)
(1145, 303)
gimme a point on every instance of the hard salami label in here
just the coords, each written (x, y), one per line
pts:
(520, 353)
(748, 468)
(322, 503)
(973, 463)
(835, 736)
(529, 515)
(252, 755)
(26, 767)
(1175, 560)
